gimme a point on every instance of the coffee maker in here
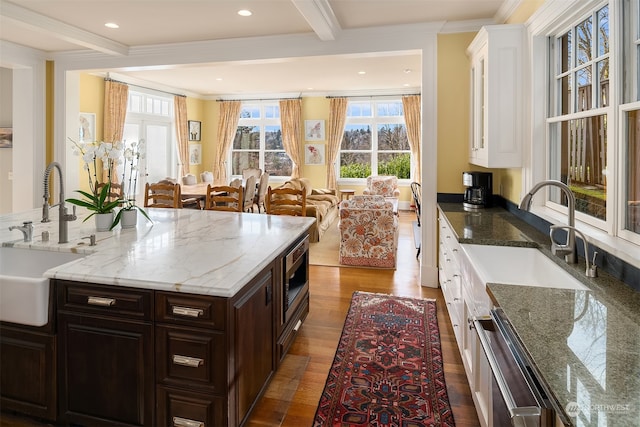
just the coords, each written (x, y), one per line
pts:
(478, 193)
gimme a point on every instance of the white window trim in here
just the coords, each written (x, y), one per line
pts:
(545, 22)
(263, 121)
(367, 120)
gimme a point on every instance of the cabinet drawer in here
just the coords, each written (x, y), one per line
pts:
(191, 358)
(179, 408)
(105, 299)
(289, 334)
(200, 311)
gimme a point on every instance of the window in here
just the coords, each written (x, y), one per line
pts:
(594, 114)
(150, 118)
(375, 140)
(580, 113)
(258, 141)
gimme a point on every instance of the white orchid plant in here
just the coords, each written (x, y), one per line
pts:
(110, 155)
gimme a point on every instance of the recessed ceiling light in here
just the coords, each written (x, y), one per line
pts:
(245, 12)
(111, 25)
(407, 70)
(219, 79)
(362, 72)
(406, 85)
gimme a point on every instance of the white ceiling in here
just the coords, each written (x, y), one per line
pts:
(62, 26)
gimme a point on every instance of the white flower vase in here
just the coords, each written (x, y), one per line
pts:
(104, 221)
(129, 218)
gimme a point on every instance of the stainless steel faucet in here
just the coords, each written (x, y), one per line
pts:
(64, 217)
(568, 249)
(27, 230)
(592, 269)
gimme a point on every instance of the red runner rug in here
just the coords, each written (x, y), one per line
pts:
(387, 370)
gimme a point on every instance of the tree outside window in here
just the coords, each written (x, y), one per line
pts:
(258, 141)
(375, 141)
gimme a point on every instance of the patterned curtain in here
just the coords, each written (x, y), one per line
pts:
(411, 106)
(115, 112)
(182, 132)
(227, 126)
(291, 118)
(337, 118)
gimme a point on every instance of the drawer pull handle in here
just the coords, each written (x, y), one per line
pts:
(103, 302)
(192, 362)
(185, 422)
(298, 324)
(186, 311)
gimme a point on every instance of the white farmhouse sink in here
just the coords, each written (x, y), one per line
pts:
(24, 292)
(519, 266)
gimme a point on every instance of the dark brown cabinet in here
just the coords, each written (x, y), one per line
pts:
(28, 371)
(105, 355)
(121, 356)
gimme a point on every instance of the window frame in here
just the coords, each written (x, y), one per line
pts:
(550, 20)
(374, 121)
(262, 123)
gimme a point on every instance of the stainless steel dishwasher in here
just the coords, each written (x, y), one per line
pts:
(518, 394)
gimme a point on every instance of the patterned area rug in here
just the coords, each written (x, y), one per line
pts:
(387, 370)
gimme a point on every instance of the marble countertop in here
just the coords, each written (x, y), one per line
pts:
(183, 250)
(586, 344)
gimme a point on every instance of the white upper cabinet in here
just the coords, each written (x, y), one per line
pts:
(497, 96)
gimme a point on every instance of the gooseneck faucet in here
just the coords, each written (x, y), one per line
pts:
(64, 217)
(568, 249)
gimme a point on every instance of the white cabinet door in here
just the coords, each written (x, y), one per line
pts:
(497, 110)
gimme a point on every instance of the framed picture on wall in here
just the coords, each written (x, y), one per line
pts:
(195, 154)
(314, 154)
(194, 130)
(87, 127)
(6, 137)
(314, 130)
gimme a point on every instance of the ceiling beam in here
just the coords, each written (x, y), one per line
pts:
(320, 17)
(54, 28)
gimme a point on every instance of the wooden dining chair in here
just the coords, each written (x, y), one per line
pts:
(162, 195)
(249, 192)
(224, 198)
(286, 201)
(115, 191)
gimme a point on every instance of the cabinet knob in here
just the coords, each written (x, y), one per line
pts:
(185, 422)
(191, 362)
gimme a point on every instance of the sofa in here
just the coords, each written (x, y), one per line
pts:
(368, 232)
(322, 204)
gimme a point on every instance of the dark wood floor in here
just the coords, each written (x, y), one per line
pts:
(293, 394)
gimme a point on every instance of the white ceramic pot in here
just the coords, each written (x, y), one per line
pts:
(129, 218)
(104, 221)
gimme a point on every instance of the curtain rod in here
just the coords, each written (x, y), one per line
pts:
(108, 79)
(258, 99)
(373, 96)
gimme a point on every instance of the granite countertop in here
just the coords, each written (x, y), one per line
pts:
(586, 344)
(184, 250)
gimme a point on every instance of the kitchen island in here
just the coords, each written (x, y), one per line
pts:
(177, 322)
(584, 343)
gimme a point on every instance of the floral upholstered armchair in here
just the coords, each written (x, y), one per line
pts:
(381, 185)
(368, 232)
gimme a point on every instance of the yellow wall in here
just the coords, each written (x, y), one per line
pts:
(315, 108)
(211, 113)
(454, 114)
(195, 111)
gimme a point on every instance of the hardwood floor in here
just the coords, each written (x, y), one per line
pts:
(331, 289)
(292, 395)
